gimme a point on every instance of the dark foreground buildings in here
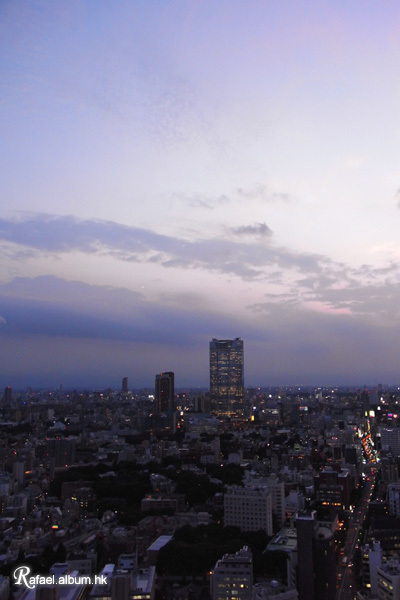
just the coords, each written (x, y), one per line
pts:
(317, 560)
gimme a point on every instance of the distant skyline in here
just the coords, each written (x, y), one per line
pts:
(174, 172)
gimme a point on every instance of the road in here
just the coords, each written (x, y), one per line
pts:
(347, 589)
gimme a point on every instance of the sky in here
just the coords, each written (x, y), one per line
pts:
(177, 171)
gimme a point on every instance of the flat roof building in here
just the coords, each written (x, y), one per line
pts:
(249, 508)
(388, 576)
(233, 576)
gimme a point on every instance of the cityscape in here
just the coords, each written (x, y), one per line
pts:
(199, 300)
(288, 493)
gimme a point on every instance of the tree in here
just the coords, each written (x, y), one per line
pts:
(48, 557)
(61, 553)
(21, 555)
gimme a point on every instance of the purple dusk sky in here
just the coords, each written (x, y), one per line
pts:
(174, 171)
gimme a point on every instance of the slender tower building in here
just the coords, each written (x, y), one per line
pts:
(165, 392)
(226, 376)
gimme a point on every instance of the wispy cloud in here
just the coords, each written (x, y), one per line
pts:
(57, 235)
(363, 292)
(258, 193)
(262, 192)
(304, 279)
(201, 201)
(258, 230)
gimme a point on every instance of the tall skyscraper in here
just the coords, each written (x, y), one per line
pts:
(165, 392)
(125, 385)
(226, 376)
(7, 396)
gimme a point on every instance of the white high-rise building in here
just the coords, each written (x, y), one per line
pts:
(249, 508)
(233, 576)
(372, 560)
(389, 581)
(277, 489)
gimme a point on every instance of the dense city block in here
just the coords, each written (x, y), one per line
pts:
(292, 494)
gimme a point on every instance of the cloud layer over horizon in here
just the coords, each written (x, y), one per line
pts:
(174, 172)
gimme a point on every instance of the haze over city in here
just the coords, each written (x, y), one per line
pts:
(174, 172)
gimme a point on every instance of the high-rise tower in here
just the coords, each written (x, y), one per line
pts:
(226, 376)
(165, 392)
(7, 396)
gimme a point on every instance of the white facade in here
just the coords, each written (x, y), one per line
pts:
(389, 581)
(374, 553)
(233, 576)
(248, 508)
